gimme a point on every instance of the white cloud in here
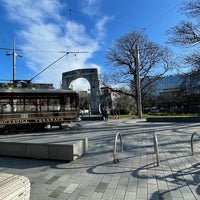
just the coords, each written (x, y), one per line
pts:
(90, 7)
(45, 32)
(100, 26)
(26, 12)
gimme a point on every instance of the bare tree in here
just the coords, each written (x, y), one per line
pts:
(154, 62)
(187, 33)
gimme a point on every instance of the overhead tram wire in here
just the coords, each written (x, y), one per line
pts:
(65, 53)
(72, 38)
(6, 80)
(161, 16)
(8, 49)
(49, 66)
(71, 11)
(36, 50)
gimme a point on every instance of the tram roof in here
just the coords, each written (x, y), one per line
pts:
(35, 91)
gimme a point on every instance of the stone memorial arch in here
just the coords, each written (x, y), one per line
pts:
(92, 76)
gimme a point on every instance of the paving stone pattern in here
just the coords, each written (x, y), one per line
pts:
(94, 176)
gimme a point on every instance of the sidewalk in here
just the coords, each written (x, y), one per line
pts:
(136, 176)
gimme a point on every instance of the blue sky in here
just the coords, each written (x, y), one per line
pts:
(44, 28)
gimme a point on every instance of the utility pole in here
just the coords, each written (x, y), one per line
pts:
(138, 86)
(14, 55)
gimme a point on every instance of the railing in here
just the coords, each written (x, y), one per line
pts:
(156, 151)
(192, 143)
(115, 146)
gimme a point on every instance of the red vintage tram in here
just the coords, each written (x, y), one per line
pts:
(33, 108)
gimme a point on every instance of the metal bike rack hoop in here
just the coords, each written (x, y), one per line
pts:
(115, 145)
(156, 151)
(191, 141)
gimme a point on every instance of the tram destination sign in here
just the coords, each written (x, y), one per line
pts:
(26, 121)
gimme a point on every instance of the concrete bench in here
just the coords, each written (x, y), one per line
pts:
(56, 151)
(14, 187)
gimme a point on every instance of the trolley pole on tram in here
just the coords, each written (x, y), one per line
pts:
(14, 55)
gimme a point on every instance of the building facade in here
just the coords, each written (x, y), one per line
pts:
(177, 93)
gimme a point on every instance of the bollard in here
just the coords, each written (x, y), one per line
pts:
(85, 143)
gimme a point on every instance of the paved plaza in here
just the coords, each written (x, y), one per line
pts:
(136, 175)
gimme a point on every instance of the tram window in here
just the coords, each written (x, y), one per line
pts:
(27, 105)
(30, 104)
(42, 104)
(4, 101)
(33, 104)
(73, 104)
(54, 104)
(18, 103)
(14, 102)
(19, 108)
(68, 105)
(5, 105)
